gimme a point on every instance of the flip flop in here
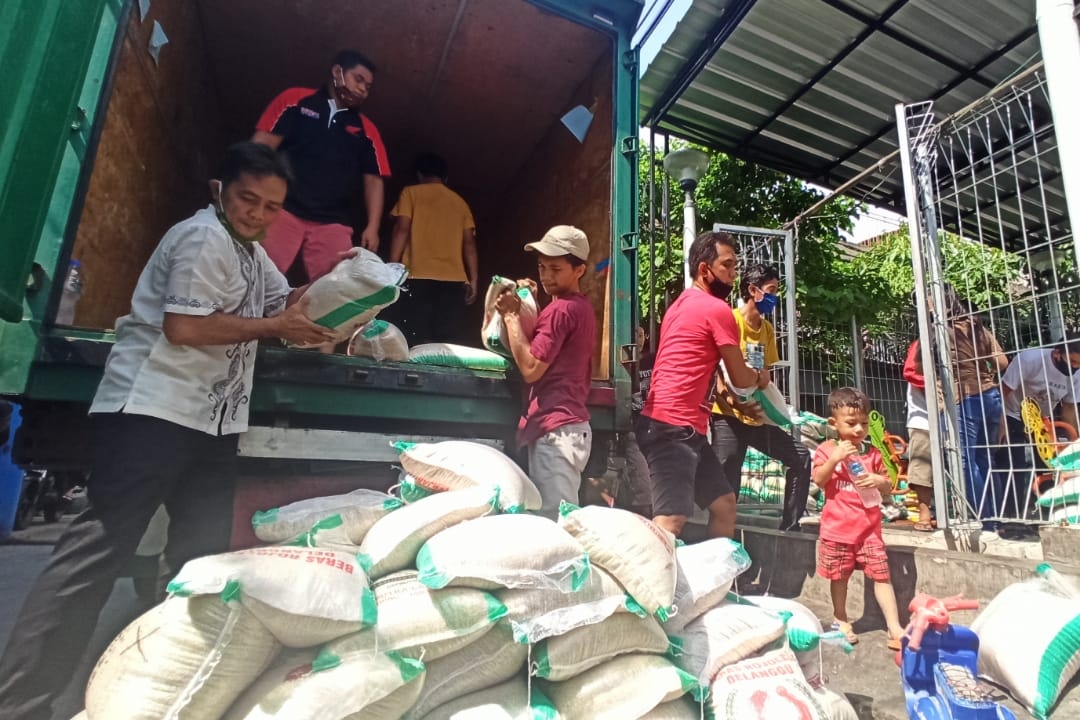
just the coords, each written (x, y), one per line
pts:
(923, 527)
(893, 644)
(847, 630)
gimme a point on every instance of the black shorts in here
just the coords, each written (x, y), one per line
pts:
(683, 470)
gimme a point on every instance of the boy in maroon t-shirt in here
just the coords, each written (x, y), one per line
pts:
(698, 332)
(557, 365)
(851, 519)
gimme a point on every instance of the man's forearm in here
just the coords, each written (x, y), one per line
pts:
(471, 257)
(521, 349)
(373, 201)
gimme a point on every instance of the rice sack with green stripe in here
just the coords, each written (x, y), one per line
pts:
(538, 613)
(379, 340)
(504, 551)
(304, 596)
(511, 700)
(358, 510)
(805, 634)
(706, 571)
(459, 464)
(561, 657)
(353, 293)
(458, 356)
(493, 333)
(1029, 642)
(185, 658)
(626, 687)
(368, 686)
(685, 708)
(765, 687)
(723, 636)
(417, 621)
(636, 551)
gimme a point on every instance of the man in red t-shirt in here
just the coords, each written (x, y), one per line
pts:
(698, 332)
(557, 365)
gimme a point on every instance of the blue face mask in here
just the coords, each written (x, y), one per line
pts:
(767, 303)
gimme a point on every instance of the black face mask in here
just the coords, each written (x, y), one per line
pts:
(720, 289)
(1063, 366)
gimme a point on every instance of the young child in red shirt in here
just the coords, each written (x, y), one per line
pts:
(853, 482)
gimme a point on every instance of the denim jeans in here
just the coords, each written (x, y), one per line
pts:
(979, 429)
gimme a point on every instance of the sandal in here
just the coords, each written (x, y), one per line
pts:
(923, 526)
(894, 643)
(847, 630)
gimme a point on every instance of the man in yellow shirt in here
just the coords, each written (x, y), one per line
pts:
(737, 425)
(435, 237)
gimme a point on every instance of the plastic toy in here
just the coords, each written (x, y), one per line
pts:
(939, 665)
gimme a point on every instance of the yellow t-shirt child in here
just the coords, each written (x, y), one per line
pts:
(764, 336)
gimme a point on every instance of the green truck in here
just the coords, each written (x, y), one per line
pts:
(115, 113)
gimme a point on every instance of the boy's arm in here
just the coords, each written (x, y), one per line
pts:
(472, 263)
(824, 465)
(530, 367)
(400, 239)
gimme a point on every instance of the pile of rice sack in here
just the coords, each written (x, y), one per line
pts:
(455, 601)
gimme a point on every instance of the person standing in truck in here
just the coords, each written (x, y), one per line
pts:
(435, 237)
(699, 331)
(557, 365)
(175, 394)
(334, 150)
(737, 425)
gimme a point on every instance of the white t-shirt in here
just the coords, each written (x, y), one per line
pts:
(197, 269)
(1032, 374)
(917, 418)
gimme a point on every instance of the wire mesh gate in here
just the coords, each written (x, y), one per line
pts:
(998, 302)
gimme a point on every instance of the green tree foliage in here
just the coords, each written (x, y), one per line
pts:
(736, 192)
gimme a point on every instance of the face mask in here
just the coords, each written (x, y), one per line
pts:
(1064, 367)
(719, 288)
(767, 303)
(224, 220)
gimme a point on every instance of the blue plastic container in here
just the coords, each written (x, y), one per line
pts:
(11, 478)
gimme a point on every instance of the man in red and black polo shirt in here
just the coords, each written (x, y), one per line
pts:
(334, 150)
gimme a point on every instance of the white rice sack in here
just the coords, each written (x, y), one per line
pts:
(358, 509)
(185, 658)
(723, 636)
(493, 332)
(511, 551)
(457, 356)
(393, 542)
(380, 341)
(685, 708)
(636, 551)
(805, 634)
(563, 656)
(459, 464)
(353, 292)
(417, 621)
(1068, 514)
(328, 534)
(1029, 642)
(627, 687)
(304, 596)
(538, 613)
(706, 571)
(289, 665)
(511, 700)
(1064, 493)
(491, 660)
(333, 688)
(769, 687)
(772, 402)
(835, 705)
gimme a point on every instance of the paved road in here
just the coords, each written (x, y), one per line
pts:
(22, 559)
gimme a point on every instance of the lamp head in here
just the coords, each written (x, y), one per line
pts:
(686, 166)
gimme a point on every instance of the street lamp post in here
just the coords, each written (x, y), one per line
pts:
(686, 166)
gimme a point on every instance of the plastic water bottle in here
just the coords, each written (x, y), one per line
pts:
(871, 497)
(755, 355)
(1062, 585)
(73, 285)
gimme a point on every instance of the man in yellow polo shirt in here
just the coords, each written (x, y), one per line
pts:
(435, 237)
(737, 425)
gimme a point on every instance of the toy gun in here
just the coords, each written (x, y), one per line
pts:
(939, 665)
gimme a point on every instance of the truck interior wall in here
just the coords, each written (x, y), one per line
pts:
(567, 182)
(160, 143)
(486, 91)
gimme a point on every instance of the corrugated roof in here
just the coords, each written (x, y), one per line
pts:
(809, 87)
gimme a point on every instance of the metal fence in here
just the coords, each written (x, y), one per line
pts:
(995, 307)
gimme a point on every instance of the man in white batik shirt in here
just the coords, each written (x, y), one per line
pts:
(176, 391)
